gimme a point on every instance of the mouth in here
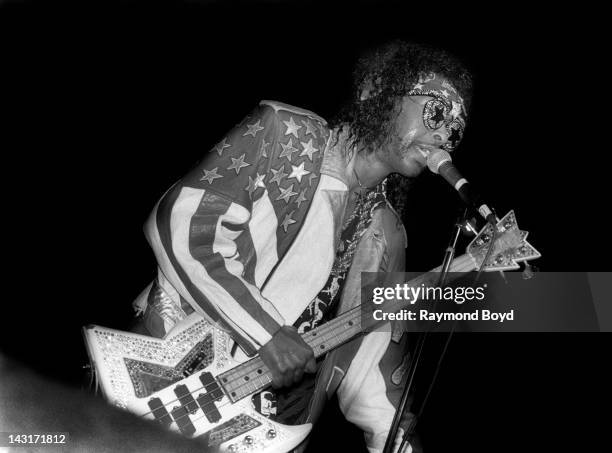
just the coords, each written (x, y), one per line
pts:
(423, 151)
(421, 156)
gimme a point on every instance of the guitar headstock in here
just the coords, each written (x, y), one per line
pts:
(510, 248)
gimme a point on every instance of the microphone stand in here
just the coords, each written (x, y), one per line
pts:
(448, 258)
(449, 254)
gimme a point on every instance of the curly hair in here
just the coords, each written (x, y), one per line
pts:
(388, 73)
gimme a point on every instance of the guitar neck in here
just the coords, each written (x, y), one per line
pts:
(253, 376)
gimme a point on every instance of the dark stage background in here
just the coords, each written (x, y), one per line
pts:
(108, 105)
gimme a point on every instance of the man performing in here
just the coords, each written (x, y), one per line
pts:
(268, 234)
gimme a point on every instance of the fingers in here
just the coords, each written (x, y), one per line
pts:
(282, 373)
(280, 379)
(288, 356)
(287, 378)
(290, 371)
(311, 366)
(305, 363)
(297, 375)
(295, 368)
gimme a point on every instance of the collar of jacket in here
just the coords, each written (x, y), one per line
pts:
(334, 161)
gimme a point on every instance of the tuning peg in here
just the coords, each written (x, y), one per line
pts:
(468, 226)
(529, 271)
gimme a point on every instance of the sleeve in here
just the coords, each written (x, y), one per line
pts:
(373, 385)
(211, 229)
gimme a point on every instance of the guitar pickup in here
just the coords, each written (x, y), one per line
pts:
(181, 417)
(159, 412)
(207, 400)
(186, 398)
(211, 386)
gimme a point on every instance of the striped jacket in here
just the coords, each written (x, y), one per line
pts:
(247, 238)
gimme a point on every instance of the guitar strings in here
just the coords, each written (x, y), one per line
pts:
(464, 266)
(252, 364)
(249, 364)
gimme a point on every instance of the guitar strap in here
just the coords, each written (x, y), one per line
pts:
(324, 306)
(289, 405)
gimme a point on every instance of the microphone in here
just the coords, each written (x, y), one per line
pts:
(440, 162)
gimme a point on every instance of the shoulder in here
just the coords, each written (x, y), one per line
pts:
(297, 129)
(283, 109)
(301, 123)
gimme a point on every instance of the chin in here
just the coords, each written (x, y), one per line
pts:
(413, 173)
(413, 167)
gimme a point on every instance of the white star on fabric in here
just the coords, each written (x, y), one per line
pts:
(278, 175)
(288, 221)
(310, 129)
(254, 184)
(292, 127)
(301, 198)
(211, 175)
(221, 146)
(253, 129)
(264, 148)
(309, 150)
(288, 150)
(298, 172)
(418, 86)
(286, 194)
(237, 164)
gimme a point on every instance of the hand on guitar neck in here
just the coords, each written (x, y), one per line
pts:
(287, 356)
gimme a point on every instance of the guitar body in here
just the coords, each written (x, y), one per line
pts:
(175, 382)
(190, 383)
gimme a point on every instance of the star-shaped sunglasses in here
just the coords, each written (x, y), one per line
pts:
(438, 113)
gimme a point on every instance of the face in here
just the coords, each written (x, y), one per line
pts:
(424, 123)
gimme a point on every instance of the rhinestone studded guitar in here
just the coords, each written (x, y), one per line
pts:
(189, 382)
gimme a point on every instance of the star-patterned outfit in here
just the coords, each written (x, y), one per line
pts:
(248, 238)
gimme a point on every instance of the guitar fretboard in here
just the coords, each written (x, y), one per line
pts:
(253, 376)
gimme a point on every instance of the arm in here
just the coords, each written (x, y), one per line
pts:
(211, 234)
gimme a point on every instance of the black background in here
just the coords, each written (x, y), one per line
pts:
(109, 104)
